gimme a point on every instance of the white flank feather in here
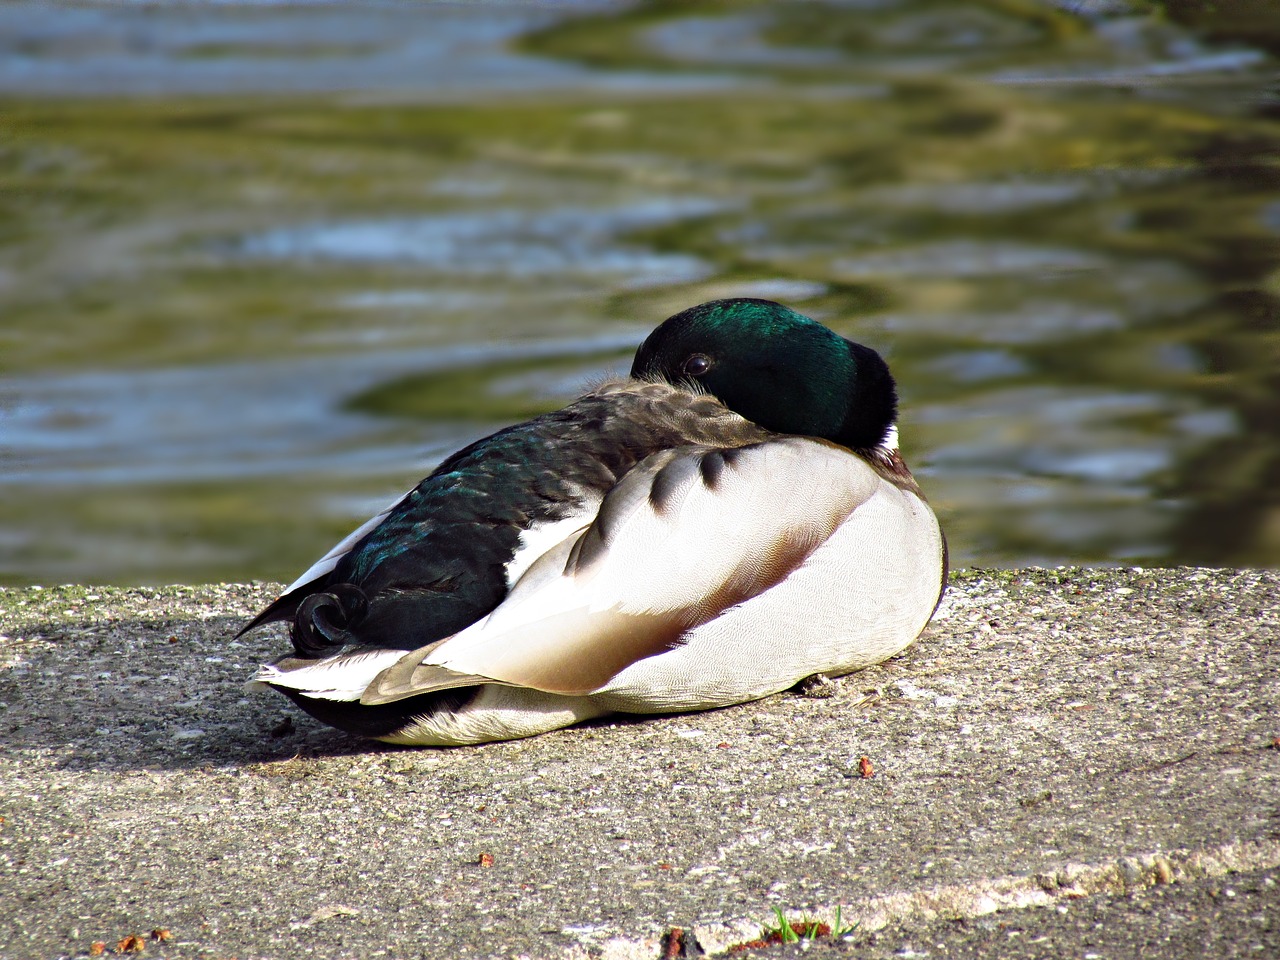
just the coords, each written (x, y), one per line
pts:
(538, 539)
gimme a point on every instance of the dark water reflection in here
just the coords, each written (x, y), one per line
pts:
(261, 264)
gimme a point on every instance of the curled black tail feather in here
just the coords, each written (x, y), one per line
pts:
(325, 620)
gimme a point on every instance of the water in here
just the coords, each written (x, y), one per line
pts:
(262, 264)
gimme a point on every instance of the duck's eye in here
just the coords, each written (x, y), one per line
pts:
(696, 365)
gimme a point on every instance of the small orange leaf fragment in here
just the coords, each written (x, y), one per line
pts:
(865, 769)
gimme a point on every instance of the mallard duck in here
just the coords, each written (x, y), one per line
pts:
(728, 520)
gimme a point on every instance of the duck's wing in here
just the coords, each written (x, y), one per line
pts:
(685, 535)
(446, 553)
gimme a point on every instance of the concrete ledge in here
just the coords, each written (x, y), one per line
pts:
(1092, 753)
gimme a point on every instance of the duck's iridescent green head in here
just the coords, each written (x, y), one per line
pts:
(777, 368)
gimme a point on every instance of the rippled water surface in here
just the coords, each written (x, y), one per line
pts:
(261, 265)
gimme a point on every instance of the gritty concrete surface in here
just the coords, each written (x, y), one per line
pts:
(1236, 915)
(1070, 763)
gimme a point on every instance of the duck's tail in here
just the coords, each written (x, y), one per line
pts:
(321, 621)
(327, 619)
